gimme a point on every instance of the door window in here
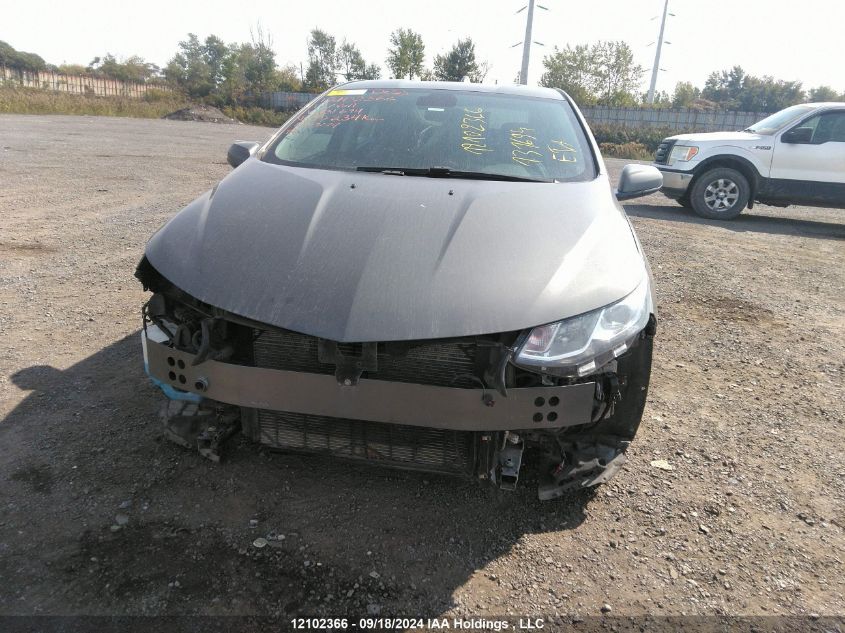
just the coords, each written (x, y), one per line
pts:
(827, 127)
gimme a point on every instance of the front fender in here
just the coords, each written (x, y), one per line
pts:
(743, 160)
(750, 159)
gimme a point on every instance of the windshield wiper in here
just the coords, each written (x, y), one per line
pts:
(446, 172)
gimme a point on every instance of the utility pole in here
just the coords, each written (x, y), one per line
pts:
(656, 68)
(526, 44)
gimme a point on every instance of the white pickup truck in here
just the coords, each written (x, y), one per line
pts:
(795, 156)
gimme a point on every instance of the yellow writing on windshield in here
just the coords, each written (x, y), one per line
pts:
(474, 131)
(525, 146)
(563, 152)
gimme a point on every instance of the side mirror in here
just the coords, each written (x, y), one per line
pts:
(637, 181)
(798, 135)
(240, 151)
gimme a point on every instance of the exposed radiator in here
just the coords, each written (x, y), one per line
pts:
(436, 363)
(387, 444)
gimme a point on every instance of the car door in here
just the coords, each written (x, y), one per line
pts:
(811, 169)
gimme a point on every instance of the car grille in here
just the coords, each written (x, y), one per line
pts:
(442, 363)
(661, 156)
(391, 445)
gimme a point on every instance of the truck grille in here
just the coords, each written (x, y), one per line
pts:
(442, 363)
(391, 445)
(661, 156)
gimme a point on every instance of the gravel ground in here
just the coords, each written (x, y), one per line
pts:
(98, 515)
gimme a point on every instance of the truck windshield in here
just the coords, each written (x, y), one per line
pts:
(433, 131)
(778, 120)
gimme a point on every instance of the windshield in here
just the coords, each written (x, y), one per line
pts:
(459, 132)
(772, 124)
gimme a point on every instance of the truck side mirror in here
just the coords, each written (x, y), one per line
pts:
(240, 151)
(637, 181)
(798, 135)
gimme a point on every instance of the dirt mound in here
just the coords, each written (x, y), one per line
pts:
(207, 114)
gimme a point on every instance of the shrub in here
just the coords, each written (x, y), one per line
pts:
(153, 95)
(257, 116)
(632, 151)
(650, 137)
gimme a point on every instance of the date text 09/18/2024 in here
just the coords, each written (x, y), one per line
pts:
(417, 624)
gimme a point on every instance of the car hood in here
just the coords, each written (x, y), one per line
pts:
(356, 257)
(717, 137)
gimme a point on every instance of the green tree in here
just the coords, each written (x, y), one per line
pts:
(571, 70)
(259, 63)
(602, 73)
(724, 87)
(19, 59)
(189, 68)
(458, 63)
(132, 68)
(767, 94)
(322, 61)
(232, 84)
(372, 71)
(352, 65)
(406, 54)
(824, 93)
(617, 77)
(288, 79)
(234, 74)
(215, 53)
(734, 89)
(351, 62)
(685, 95)
(248, 70)
(662, 99)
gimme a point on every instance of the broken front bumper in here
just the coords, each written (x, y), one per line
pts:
(372, 400)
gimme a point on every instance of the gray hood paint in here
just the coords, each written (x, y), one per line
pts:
(398, 257)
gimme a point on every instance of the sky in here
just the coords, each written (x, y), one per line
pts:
(793, 41)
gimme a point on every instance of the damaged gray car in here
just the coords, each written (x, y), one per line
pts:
(421, 275)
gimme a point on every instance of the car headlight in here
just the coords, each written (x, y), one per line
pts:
(582, 344)
(682, 153)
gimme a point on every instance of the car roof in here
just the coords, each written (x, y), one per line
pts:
(506, 89)
(826, 104)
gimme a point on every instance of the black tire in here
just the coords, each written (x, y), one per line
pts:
(720, 194)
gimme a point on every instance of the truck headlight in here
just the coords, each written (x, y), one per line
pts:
(682, 153)
(579, 345)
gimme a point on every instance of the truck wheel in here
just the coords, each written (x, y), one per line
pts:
(720, 194)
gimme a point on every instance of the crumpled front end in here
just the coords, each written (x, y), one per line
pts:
(456, 405)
